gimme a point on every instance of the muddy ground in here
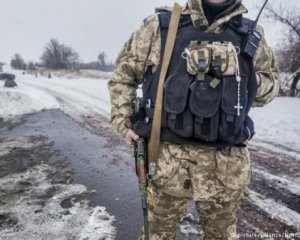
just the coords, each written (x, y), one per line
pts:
(92, 154)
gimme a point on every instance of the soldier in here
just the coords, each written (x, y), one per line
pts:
(211, 84)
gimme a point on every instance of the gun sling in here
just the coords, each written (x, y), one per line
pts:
(153, 146)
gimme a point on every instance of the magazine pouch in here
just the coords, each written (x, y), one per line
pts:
(178, 116)
(204, 104)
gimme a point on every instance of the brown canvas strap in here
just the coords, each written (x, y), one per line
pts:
(153, 146)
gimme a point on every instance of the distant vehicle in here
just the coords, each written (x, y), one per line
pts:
(7, 76)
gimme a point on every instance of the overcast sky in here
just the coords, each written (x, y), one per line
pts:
(89, 26)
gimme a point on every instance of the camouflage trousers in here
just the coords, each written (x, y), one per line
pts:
(216, 180)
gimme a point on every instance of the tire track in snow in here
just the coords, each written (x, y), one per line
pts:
(73, 101)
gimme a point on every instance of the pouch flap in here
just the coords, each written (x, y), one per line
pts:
(176, 92)
(198, 58)
(205, 100)
(220, 56)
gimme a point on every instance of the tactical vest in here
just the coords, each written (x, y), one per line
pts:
(200, 112)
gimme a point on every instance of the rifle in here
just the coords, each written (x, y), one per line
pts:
(140, 154)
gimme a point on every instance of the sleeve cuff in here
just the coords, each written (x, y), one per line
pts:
(123, 126)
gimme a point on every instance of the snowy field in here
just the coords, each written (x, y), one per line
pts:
(276, 123)
(73, 96)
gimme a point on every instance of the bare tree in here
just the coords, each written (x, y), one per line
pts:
(294, 90)
(31, 66)
(288, 54)
(102, 59)
(101, 64)
(69, 57)
(289, 17)
(59, 56)
(289, 57)
(1, 66)
(17, 62)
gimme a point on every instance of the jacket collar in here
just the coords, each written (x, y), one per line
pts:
(195, 9)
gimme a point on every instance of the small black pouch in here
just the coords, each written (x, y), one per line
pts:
(232, 123)
(179, 118)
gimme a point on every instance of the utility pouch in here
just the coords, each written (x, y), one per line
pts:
(198, 59)
(223, 57)
(179, 118)
(204, 104)
(233, 114)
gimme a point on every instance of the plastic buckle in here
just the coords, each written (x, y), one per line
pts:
(217, 71)
(202, 65)
(152, 171)
(149, 103)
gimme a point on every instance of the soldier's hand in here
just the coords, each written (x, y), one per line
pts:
(130, 137)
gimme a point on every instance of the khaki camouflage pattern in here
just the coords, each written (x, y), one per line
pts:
(266, 73)
(193, 57)
(227, 56)
(216, 180)
(210, 53)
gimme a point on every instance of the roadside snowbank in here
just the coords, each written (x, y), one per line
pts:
(23, 100)
(38, 214)
(76, 97)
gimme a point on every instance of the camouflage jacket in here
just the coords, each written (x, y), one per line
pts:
(143, 50)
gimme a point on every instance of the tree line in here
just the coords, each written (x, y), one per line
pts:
(60, 56)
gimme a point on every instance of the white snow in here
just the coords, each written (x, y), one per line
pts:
(36, 207)
(24, 99)
(39, 218)
(188, 230)
(98, 226)
(190, 225)
(9, 144)
(76, 97)
(277, 124)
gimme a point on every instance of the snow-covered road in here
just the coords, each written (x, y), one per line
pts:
(275, 149)
(74, 96)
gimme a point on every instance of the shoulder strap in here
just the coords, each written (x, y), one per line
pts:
(153, 146)
(241, 25)
(164, 19)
